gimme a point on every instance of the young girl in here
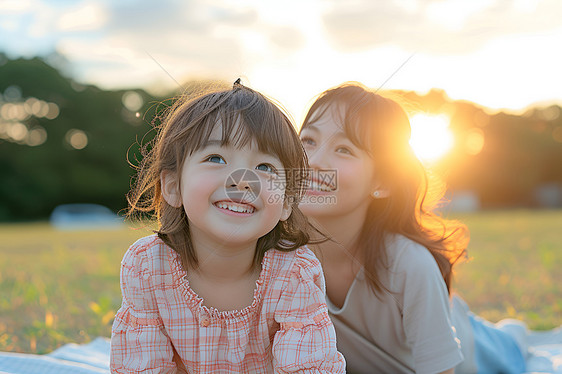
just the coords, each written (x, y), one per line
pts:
(226, 284)
(389, 262)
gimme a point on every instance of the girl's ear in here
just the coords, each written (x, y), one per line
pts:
(170, 188)
(287, 209)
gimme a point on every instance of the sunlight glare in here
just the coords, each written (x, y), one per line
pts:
(474, 141)
(431, 138)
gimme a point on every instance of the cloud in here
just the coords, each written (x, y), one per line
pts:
(86, 16)
(167, 16)
(190, 38)
(142, 42)
(16, 7)
(286, 37)
(431, 26)
(26, 27)
(198, 38)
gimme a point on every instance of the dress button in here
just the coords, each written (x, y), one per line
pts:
(205, 321)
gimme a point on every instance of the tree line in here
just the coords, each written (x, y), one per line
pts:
(64, 142)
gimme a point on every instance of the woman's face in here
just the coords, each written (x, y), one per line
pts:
(343, 176)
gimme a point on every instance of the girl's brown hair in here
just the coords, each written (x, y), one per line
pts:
(245, 116)
(380, 126)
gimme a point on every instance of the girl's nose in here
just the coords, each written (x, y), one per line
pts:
(241, 185)
(243, 180)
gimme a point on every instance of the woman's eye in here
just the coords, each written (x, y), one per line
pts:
(268, 168)
(216, 159)
(307, 141)
(344, 150)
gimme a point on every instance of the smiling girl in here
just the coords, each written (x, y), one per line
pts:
(226, 284)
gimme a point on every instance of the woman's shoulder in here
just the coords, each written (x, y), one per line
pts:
(407, 255)
(414, 273)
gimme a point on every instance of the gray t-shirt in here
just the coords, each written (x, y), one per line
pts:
(405, 331)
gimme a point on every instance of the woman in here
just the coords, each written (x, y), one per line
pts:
(389, 260)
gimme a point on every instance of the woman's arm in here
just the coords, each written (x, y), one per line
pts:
(426, 312)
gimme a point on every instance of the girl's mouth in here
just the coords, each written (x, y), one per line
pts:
(234, 207)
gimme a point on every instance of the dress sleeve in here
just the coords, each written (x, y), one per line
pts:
(139, 342)
(426, 314)
(306, 340)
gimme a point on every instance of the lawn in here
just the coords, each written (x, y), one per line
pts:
(59, 287)
(515, 266)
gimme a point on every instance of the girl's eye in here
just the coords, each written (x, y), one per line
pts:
(307, 141)
(216, 159)
(268, 168)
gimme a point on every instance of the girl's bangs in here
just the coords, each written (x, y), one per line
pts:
(246, 119)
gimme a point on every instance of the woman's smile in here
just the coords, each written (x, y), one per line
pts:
(315, 185)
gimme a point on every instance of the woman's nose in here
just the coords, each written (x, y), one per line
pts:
(317, 157)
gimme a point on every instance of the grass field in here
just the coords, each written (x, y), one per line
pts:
(59, 287)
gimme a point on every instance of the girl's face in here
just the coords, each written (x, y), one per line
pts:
(330, 151)
(230, 195)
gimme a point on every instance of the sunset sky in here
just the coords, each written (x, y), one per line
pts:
(499, 54)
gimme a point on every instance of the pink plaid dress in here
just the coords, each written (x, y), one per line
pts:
(163, 323)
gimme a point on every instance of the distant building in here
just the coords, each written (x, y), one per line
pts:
(549, 195)
(461, 201)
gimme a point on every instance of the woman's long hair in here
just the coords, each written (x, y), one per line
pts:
(381, 127)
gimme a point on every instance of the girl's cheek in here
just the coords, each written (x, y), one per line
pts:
(203, 184)
(273, 190)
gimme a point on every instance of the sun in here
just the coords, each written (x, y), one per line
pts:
(431, 137)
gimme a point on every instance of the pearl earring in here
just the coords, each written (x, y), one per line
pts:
(376, 194)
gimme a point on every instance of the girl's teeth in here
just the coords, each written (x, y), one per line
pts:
(235, 207)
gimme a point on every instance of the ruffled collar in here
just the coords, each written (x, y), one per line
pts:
(195, 302)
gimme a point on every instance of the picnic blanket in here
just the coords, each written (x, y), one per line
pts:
(90, 358)
(545, 351)
(545, 356)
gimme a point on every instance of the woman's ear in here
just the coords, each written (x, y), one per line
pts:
(170, 188)
(380, 191)
(287, 209)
